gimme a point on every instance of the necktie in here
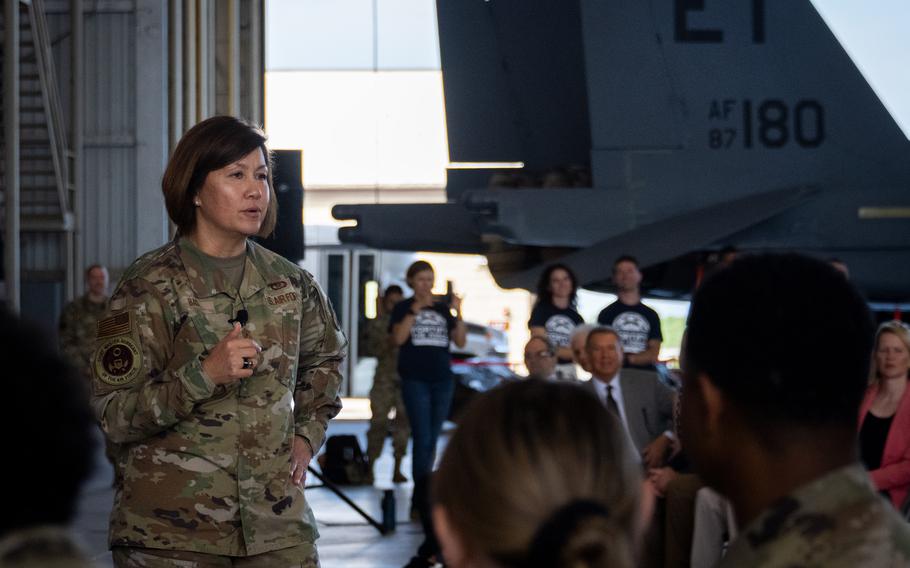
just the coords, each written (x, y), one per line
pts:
(611, 402)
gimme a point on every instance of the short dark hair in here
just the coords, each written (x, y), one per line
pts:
(546, 341)
(211, 145)
(602, 330)
(418, 266)
(785, 337)
(626, 258)
(545, 295)
(393, 289)
(88, 271)
(51, 430)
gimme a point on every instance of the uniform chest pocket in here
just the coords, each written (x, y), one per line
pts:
(278, 334)
(210, 323)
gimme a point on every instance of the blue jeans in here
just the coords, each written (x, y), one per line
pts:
(427, 404)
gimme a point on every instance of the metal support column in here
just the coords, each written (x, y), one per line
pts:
(175, 80)
(74, 239)
(256, 74)
(203, 69)
(233, 57)
(11, 256)
(190, 87)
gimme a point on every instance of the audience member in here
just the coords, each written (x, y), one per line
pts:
(385, 394)
(840, 266)
(77, 321)
(676, 487)
(556, 177)
(774, 431)
(670, 536)
(727, 255)
(554, 314)
(50, 449)
(537, 474)
(713, 527)
(540, 358)
(577, 342)
(884, 435)
(643, 404)
(422, 328)
(637, 325)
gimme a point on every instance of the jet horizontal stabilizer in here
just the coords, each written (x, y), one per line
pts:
(441, 227)
(669, 238)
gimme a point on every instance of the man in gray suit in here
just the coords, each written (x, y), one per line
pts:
(643, 404)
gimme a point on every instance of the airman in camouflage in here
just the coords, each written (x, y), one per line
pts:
(206, 467)
(772, 427)
(385, 394)
(42, 547)
(838, 521)
(49, 450)
(78, 320)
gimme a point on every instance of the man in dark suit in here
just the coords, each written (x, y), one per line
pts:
(643, 404)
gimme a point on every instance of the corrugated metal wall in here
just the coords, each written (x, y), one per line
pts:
(125, 113)
(108, 203)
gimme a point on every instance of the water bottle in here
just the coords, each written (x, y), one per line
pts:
(388, 511)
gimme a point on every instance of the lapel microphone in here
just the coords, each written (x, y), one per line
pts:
(242, 317)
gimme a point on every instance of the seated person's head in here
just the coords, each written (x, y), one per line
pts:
(775, 358)
(840, 266)
(538, 474)
(50, 431)
(577, 343)
(540, 358)
(603, 350)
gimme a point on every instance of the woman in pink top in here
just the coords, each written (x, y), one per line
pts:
(884, 432)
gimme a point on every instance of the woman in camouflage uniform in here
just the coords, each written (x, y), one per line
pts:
(216, 370)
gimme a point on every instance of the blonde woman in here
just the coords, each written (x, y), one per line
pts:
(539, 474)
(884, 432)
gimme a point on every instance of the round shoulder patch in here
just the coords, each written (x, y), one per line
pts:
(117, 361)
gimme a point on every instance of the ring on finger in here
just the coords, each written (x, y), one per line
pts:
(247, 363)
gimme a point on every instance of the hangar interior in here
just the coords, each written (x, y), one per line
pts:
(96, 94)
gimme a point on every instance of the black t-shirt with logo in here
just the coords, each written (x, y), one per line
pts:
(558, 323)
(425, 355)
(634, 324)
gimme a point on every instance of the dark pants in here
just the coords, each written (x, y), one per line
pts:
(428, 404)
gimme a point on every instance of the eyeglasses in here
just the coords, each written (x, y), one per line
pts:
(539, 354)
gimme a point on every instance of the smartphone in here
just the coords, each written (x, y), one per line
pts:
(449, 293)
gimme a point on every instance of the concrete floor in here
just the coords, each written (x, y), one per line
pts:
(347, 540)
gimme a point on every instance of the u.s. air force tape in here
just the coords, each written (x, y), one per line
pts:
(118, 359)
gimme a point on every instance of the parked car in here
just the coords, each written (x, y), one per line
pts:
(482, 341)
(476, 375)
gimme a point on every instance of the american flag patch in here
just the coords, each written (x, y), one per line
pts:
(114, 325)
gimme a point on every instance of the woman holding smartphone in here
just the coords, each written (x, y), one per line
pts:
(422, 328)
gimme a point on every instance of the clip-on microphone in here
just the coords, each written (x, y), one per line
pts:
(242, 317)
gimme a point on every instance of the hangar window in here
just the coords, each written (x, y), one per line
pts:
(357, 86)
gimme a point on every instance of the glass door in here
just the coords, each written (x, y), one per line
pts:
(364, 299)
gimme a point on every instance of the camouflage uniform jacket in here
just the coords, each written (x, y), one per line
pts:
(77, 332)
(42, 547)
(838, 521)
(206, 468)
(380, 346)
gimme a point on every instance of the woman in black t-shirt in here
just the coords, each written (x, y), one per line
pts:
(422, 328)
(554, 315)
